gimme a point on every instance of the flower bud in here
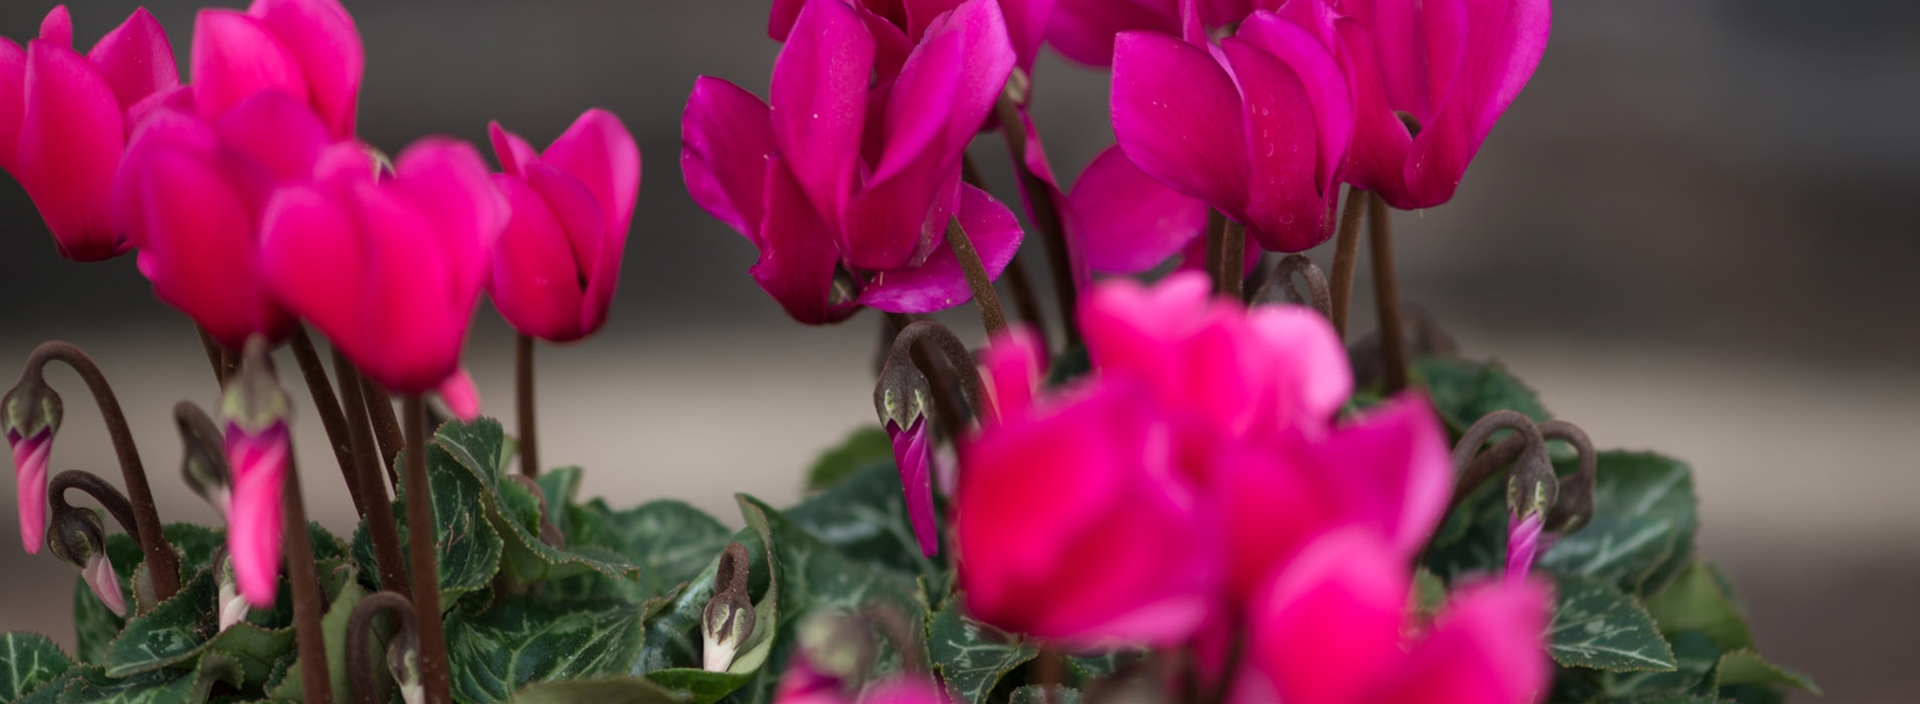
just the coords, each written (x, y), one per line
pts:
(78, 538)
(902, 396)
(232, 605)
(403, 662)
(203, 463)
(1531, 491)
(258, 446)
(30, 414)
(729, 618)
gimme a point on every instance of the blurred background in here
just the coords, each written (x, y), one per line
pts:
(1689, 233)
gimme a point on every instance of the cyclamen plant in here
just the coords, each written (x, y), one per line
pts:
(1194, 490)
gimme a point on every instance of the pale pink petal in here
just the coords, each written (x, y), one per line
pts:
(460, 395)
(71, 137)
(1131, 222)
(1523, 544)
(1329, 622)
(939, 283)
(105, 583)
(1316, 376)
(1486, 647)
(725, 137)
(57, 26)
(818, 101)
(797, 255)
(1179, 118)
(320, 38)
(235, 57)
(136, 59)
(30, 484)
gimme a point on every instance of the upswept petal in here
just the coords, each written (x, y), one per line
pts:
(1328, 624)
(449, 183)
(599, 151)
(1390, 470)
(596, 247)
(1499, 47)
(71, 138)
(57, 26)
(1378, 156)
(987, 58)
(1485, 647)
(1084, 30)
(320, 38)
(725, 138)
(135, 59)
(797, 252)
(199, 249)
(534, 276)
(817, 101)
(510, 149)
(235, 57)
(939, 283)
(1178, 117)
(1131, 222)
(1306, 51)
(421, 298)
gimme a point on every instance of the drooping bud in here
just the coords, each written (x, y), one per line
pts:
(729, 618)
(901, 398)
(30, 414)
(258, 447)
(1531, 490)
(203, 462)
(403, 662)
(233, 607)
(78, 538)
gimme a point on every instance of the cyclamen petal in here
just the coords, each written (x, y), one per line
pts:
(135, 59)
(1329, 622)
(319, 36)
(71, 138)
(1011, 369)
(1132, 223)
(1484, 647)
(30, 484)
(1177, 116)
(913, 455)
(939, 283)
(255, 526)
(105, 583)
(234, 57)
(818, 101)
(461, 396)
(726, 135)
(1524, 544)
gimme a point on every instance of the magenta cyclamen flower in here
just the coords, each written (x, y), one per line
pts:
(1429, 80)
(847, 177)
(1026, 20)
(1257, 126)
(1333, 627)
(256, 524)
(389, 268)
(556, 264)
(191, 194)
(307, 49)
(64, 119)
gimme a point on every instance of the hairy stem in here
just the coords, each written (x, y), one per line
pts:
(1346, 255)
(386, 426)
(949, 345)
(1279, 286)
(1233, 259)
(1046, 213)
(952, 415)
(523, 405)
(308, 634)
(110, 498)
(983, 294)
(379, 514)
(328, 408)
(360, 629)
(421, 554)
(163, 565)
(1475, 467)
(1386, 294)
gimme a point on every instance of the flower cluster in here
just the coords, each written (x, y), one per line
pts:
(1196, 488)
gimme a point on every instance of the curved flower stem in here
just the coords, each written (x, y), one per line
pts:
(1024, 299)
(1574, 505)
(360, 628)
(109, 497)
(1386, 293)
(951, 414)
(421, 553)
(1279, 286)
(983, 294)
(386, 426)
(1216, 238)
(163, 565)
(214, 357)
(308, 634)
(1233, 259)
(1346, 254)
(1046, 213)
(949, 345)
(1476, 467)
(524, 406)
(327, 406)
(379, 514)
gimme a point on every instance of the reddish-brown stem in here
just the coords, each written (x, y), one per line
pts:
(984, 296)
(327, 406)
(1233, 260)
(163, 565)
(951, 413)
(309, 636)
(1386, 294)
(523, 404)
(214, 358)
(110, 498)
(360, 627)
(1046, 213)
(379, 514)
(421, 553)
(386, 426)
(1024, 300)
(1346, 255)
(1216, 236)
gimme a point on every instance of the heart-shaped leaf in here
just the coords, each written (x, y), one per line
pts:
(523, 639)
(1644, 520)
(27, 661)
(1595, 626)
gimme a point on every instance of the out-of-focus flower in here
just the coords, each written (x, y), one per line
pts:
(389, 270)
(1131, 222)
(557, 262)
(1331, 627)
(64, 120)
(30, 414)
(1429, 80)
(256, 410)
(1257, 125)
(307, 49)
(847, 177)
(190, 196)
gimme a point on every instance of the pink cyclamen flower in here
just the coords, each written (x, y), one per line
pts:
(1131, 222)
(191, 194)
(1026, 20)
(557, 262)
(1332, 627)
(256, 524)
(1084, 30)
(308, 49)
(1429, 80)
(913, 454)
(1257, 126)
(104, 582)
(1073, 525)
(30, 481)
(64, 119)
(846, 184)
(389, 268)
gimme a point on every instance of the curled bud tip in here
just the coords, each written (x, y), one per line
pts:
(203, 462)
(105, 583)
(460, 395)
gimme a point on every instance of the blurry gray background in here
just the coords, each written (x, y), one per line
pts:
(1692, 232)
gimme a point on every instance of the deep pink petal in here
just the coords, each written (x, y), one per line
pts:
(725, 137)
(1285, 211)
(1501, 46)
(1011, 369)
(581, 220)
(986, 59)
(1486, 647)
(535, 280)
(780, 20)
(234, 56)
(599, 151)
(1027, 22)
(1329, 623)
(71, 137)
(1390, 470)
(1131, 222)
(510, 149)
(913, 456)
(280, 140)
(797, 252)
(320, 38)
(30, 483)
(1378, 156)
(166, 130)
(136, 59)
(460, 395)
(1270, 509)
(1179, 119)
(199, 249)
(57, 26)
(1306, 52)
(1083, 30)
(939, 283)
(1316, 378)
(449, 184)
(13, 102)
(310, 257)
(255, 527)
(818, 101)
